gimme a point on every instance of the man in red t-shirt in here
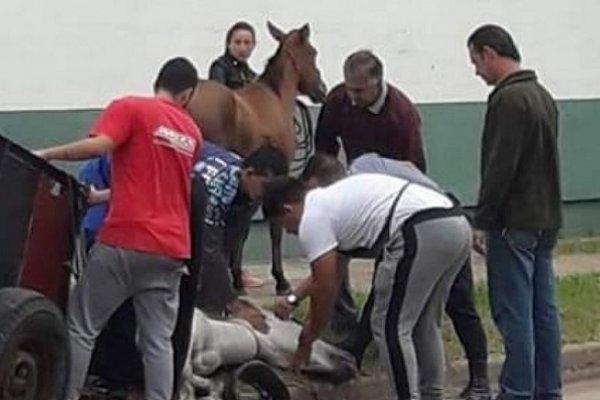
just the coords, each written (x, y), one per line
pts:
(146, 236)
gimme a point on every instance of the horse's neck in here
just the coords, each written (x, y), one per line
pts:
(285, 84)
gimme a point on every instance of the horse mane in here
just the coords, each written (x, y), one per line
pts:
(272, 75)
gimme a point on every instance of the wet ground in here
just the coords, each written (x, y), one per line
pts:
(582, 390)
(370, 388)
(361, 273)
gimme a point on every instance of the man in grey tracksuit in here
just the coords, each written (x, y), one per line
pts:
(323, 170)
(423, 239)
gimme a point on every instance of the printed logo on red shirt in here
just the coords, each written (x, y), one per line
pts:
(175, 140)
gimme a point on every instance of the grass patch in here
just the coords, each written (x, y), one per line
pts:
(586, 245)
(578, 301)
(579, 306)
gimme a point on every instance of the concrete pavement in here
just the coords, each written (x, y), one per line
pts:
(361, 270)
(584, 390)
(584, 365)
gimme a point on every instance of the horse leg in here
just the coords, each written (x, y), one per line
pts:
(236, 233)
(282, 286)
(237, 256)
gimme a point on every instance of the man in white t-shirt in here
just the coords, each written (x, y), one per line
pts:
(323, 170)
(424, 240)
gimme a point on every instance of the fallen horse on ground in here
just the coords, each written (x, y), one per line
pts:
(218, 344)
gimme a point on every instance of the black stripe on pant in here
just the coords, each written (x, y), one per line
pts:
(398, 295)
(393, 314)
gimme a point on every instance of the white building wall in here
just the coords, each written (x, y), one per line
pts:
(58, 54)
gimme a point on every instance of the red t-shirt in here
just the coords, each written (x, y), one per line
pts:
(156, 143)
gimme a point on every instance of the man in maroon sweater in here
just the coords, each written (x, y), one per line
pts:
(369, 115)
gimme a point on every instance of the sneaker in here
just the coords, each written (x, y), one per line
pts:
(251, 281)
(476, 392)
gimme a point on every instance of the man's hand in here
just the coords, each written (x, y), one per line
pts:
(281, 308)
(95, 196)
(41, 154)
(80, 150)
(302, 355)
(479, 241)
(250, 313)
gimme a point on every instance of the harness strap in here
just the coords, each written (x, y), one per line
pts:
(385, 232)
(377, 247)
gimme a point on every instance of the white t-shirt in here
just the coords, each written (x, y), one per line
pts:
(351, 213)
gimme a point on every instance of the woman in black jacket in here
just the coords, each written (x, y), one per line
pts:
(231, 69)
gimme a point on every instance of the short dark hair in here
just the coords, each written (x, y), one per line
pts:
(324, 168)
(496, 38)
(239, 26)
(267, 160)
(364, 60)
(176, 75)
(281, 191)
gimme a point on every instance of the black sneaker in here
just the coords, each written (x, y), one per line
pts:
(476, 391)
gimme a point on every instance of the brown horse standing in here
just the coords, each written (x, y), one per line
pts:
(261, 113)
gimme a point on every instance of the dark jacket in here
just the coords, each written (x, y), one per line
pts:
(520, 183)
(230, 72)
(394, 132)
(216, 183)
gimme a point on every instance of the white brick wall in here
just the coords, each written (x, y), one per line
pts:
(79, 54)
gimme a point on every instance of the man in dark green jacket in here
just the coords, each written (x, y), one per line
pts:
(518, 215)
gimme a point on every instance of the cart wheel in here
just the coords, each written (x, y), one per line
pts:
(33, 347)
(255, 380)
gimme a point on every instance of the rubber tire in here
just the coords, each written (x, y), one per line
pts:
(261, 377)
(32, 324)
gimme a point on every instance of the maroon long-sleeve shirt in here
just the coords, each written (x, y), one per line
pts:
(394, 132)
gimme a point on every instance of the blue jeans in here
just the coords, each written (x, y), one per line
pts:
(522, 299)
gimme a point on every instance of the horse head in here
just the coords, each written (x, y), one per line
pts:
(296, 45)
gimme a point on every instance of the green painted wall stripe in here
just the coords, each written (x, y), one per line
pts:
(581, 219)
(37, 129)
(452, 136)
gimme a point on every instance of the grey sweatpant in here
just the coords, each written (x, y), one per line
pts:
(411, 285)
(112, 276)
